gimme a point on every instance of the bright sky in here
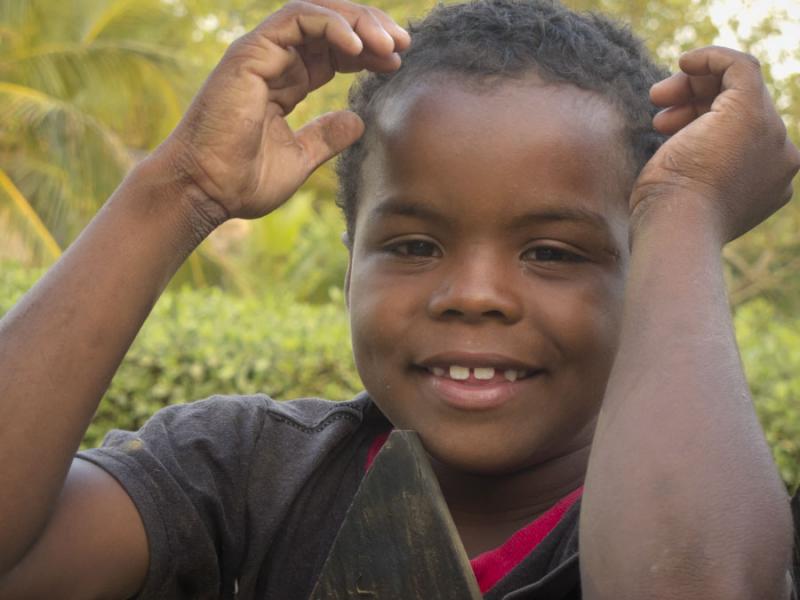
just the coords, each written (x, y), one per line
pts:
(782, 51)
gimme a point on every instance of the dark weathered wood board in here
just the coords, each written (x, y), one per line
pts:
(398, 540)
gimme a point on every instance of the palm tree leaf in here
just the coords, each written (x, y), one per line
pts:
(85, 85)
(111, 12)
(63, 69)
(31, 108)
(13, 199)
(49, 190)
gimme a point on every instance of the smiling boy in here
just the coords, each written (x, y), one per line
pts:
(534, 286)
(498, 327)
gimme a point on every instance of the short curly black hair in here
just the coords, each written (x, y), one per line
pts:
(483, 40)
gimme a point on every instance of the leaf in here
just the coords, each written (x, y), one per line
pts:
(14, 202)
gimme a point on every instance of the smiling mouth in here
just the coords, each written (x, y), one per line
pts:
(479, 374)
(478, 387)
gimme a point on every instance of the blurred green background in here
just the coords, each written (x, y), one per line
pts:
(88, 87)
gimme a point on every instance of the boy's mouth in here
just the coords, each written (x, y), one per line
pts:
(479, 374)
(476, 382)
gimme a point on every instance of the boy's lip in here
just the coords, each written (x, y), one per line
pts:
(473, 394)
(476, 360)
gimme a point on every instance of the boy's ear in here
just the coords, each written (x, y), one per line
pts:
(347, 244)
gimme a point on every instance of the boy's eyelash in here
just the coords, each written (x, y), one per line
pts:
(414, 249)
(552, 254)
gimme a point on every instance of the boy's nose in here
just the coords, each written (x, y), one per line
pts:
(477, 290)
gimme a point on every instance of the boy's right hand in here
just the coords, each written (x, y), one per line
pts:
(234, 144)
(729, 158)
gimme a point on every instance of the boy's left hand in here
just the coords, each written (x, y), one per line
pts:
(729, 158)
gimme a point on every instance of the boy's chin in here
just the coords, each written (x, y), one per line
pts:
(482, 458)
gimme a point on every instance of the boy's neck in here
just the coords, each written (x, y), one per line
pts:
(488, 509)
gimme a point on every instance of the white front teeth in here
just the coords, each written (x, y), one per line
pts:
(484, 372)
(460, 373)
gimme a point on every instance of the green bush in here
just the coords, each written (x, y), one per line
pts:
(770, 346)
(202, 342)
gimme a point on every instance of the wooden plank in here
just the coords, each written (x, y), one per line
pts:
(398, 540)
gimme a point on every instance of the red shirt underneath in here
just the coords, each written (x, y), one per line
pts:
(491, 566)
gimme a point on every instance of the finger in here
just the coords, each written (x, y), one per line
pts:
(292, 84)
(681, 88)
(675, 118)
(737, 70)
(369, 19)
(299, 22)
(320, 71)
(401, 37)
(367, 60)
(327, 135)
(369, 28)
(260, 56)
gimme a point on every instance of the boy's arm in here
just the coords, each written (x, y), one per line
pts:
(682, 498)
(233, 155)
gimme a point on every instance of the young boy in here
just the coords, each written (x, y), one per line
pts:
(534, 286)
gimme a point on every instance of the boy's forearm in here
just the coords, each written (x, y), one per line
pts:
(61, 344)
(682, 497)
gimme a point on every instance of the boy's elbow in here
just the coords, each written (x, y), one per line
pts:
(692, 586)
(689, 567)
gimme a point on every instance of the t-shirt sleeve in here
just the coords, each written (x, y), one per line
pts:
(186, 471)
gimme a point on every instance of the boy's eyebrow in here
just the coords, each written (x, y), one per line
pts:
(405, 208)
(563, 213)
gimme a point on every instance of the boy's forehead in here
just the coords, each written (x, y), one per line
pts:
(439, 96)
(573, 135)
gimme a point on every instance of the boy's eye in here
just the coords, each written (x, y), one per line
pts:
(415, 248)
(551, 254)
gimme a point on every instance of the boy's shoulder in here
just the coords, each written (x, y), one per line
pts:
(233, 428)
(305, 414)
(254, 413)
(234, 491)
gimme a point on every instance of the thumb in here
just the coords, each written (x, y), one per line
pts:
(327, 135)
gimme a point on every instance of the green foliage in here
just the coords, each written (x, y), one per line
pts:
(668, 27)
(770, 347)
(86, 86)
(203, 342)
(197, 343)
(299, 245)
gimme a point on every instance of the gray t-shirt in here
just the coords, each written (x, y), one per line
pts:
(241, 497)
(241, 493)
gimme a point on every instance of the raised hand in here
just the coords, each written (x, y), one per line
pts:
(729, 157)
(234, 143)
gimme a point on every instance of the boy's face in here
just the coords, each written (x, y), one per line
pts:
(487, 269)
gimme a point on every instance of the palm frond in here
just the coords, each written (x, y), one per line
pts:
(14, 202)
(109, 13)
(85, 85)
(50, 191)
(63, 69)
(30, 108)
